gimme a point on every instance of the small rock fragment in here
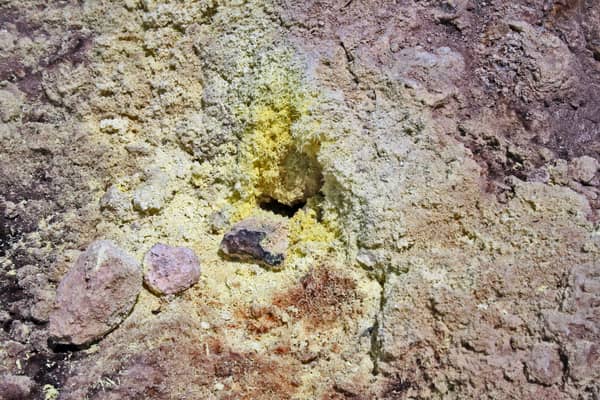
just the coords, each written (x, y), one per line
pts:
(4, 316)
(15, 387)
(115, 201)
(544, 365)
(19, 331)
(138, 148)
(114, 125)
(257, 239)
(170, 270)
(50, 392)
(366, 258)
(583, 169)
(150, 197)
(95, 296)
(584, 357)
(218, 222)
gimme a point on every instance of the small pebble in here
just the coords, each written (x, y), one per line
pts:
(170, 270)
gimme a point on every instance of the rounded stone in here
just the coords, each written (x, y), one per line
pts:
(170, 270)
(95, 296)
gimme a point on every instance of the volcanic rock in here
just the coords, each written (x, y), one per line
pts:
(257, 239)
(544, 365)
(95, 296)
(170, 270)
(14, 387)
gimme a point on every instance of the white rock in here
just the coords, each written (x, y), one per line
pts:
(114, 125)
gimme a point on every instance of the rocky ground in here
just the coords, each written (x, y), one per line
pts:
(324, 199)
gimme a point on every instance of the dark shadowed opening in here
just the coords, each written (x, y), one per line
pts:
(276, 207)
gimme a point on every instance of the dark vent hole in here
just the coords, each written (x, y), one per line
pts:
(274, 206)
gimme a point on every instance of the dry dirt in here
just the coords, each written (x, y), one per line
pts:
(436, 161)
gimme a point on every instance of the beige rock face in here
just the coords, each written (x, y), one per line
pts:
(95, 296)
(429, 170)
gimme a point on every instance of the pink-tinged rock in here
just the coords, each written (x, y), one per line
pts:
(95, 296)
(15, 387)
(584, 361)
(170, 270)
(544, 365)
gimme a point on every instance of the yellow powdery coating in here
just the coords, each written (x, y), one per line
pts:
(50, 392)
(276, 164)
(306, 232)
(266, 149)
(262, 153)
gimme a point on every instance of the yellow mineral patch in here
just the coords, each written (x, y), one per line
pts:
(277, 167)
(307, 233)
(268, 146)
(273, 161)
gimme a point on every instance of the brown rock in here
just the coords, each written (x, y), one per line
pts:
(95, 296)
(544, 365)
(170, 270)
(15, 387)
(584, 359)
(257, 239)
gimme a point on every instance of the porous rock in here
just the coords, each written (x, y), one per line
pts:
(150, 197)
(95, 296)
(15, 387)
(257, 239)
(115, 202)
(170, 270)
(583, 169)
(544, 365)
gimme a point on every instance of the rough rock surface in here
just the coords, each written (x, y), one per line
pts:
(262, 240)
(15, 387)
(95, 296)
(435, 163)
(170, 270)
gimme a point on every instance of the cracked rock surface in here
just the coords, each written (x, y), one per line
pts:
(257, 239)
(170, 270)
(421, 179)
(95, 295)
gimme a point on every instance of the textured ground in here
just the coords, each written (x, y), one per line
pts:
(436, 161)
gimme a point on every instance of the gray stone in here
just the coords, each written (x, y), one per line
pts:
(115, 201)
(218, 222)
(544, 365)
(583, 169)
(584, 359)
(151, 196)
(170, 270)
(10, 105)
(257, 239)
(15, 387)
(19, 331)
(95, 296)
